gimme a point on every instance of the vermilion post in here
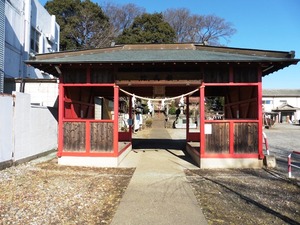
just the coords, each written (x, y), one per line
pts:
(289, 166)
(61, 107)
(116, 120)
(130, 117)
(260, 115)
(231, 137)
(187, 117)
(202, 119)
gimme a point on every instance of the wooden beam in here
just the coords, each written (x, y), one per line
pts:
(141, 83)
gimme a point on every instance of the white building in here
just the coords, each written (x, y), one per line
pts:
(28, 124)
(284, 102)
(29, 30)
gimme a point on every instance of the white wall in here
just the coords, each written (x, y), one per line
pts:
(14, 29)
(46, 24)
(25, 130)
(21, 15)
(6, 127)
(42, 93)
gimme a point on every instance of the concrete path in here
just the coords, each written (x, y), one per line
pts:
(158, 192)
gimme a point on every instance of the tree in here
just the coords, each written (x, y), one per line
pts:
(179, 21)
(148, 28)
(82, 23)
(213, 29)
(121, 16)
(208, 29)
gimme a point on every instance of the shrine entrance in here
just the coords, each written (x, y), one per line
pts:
(97, 88)
(160, 122)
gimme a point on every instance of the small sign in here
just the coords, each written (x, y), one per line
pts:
(207, 129)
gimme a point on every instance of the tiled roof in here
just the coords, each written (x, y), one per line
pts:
(281, 93)
(164, 53)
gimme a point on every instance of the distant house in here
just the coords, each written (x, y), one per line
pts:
(284, 103)
(28, 30)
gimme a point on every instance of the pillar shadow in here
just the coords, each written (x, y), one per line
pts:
(163, 145)
(158, 144)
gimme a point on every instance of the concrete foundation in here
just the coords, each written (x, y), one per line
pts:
(214, 163)
(193, 149)
(93, 161)
(270, 161)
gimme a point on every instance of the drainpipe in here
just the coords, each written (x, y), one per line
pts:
(2, 40)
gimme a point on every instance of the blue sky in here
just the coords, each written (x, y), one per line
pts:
(260, 24)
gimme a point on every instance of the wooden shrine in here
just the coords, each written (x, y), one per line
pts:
(91, 103)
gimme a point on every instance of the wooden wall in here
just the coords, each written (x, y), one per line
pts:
(218, 140)
(74, 136)
(100, 138)
(245, 138)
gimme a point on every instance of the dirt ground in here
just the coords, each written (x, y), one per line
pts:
(47, 193)
(246, 196)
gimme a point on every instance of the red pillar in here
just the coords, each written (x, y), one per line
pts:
(61, 107)
(116, 121)
(187, 117)
(202, 119)
(130, 117)
(260, 114)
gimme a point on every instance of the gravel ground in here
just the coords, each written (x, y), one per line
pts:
(245, 197)
(46, 193)
(253, 196)
(283, 139)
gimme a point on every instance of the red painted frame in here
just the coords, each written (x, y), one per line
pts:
(118, 135)
(259, 120)
(115, 151)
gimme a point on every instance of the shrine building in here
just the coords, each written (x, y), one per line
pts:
(96, 87)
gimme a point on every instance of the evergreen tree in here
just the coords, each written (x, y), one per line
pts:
(148, 28)
(82, 23)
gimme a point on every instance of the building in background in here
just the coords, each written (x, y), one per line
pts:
(29, 30)
(283, 105)
(26, 29)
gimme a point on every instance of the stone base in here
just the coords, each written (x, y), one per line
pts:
(93, 161)
(193, 149)
(215, 163)
(270, 161)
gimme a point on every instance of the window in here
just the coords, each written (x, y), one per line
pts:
(267, 102)
(283, 101)
(34, 40)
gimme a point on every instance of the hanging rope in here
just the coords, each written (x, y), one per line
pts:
(159, 99)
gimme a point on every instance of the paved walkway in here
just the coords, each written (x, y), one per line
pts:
(158, 192)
